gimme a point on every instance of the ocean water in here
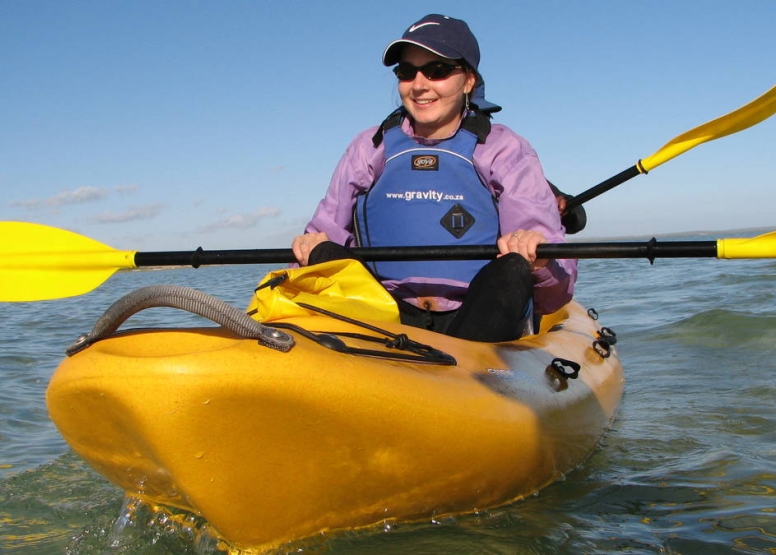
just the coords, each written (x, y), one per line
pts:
(689, 466)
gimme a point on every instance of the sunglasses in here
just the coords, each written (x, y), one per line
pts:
(434, 71)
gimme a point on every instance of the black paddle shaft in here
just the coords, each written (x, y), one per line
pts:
(645, 249)
(602, 187)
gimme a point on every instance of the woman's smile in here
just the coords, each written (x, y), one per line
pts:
(435, 106)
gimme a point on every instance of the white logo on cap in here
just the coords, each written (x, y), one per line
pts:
(419, 25)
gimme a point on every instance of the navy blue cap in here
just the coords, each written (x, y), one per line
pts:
(446, 37)
(478, 99)
(442, 35)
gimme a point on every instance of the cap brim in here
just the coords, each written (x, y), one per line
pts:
(485, 106)
(392, 53)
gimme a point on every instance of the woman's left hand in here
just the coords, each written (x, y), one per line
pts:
(304, 244)
(524, 243)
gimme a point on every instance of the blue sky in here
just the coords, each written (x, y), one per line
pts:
(166, 125)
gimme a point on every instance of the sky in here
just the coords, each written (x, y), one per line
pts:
(170, 125)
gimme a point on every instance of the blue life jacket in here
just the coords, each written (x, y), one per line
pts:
(428, 195)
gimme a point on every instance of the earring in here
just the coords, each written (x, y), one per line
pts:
(466, 97)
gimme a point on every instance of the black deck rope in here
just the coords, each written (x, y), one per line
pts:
(400, 341)
(412, 351)
(190, 300)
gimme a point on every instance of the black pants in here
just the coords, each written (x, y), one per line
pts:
(494, 308)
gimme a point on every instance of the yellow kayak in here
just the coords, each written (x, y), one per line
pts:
(271, 446)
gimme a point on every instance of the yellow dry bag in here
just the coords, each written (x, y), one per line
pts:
(344, 287)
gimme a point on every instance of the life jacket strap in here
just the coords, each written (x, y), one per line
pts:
(477, 123)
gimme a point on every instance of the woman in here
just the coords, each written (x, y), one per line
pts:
(437, 172)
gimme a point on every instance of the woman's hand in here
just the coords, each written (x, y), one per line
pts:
(561, 200)
(303, 244)
(524, 243)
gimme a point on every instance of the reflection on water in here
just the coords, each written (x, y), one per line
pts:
(41, 509)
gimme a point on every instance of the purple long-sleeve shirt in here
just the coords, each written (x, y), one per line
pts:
(508, 166)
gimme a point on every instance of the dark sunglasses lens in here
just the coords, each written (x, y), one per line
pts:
(405, 72)
(437, 70)
(433, 71)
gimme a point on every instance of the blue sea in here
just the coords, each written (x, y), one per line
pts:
(689, 466)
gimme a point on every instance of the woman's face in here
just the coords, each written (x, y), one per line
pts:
(435, 106)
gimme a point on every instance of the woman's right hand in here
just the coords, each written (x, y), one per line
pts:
(524, 242)
(302, 245)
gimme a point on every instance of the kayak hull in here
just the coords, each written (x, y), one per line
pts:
(270, 447)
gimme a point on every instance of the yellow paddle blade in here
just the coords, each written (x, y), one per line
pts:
(39, 262)
(762, 246)
(751, 114)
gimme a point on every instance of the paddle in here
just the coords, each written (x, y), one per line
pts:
(41, 262)
(751, 114)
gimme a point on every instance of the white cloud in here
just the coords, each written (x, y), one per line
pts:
(126, 189)
(131, 214)
(76, 196)
(242, 221)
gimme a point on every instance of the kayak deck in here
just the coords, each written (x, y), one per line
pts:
(270, 447)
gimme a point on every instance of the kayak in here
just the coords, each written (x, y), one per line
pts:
(339, 424)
